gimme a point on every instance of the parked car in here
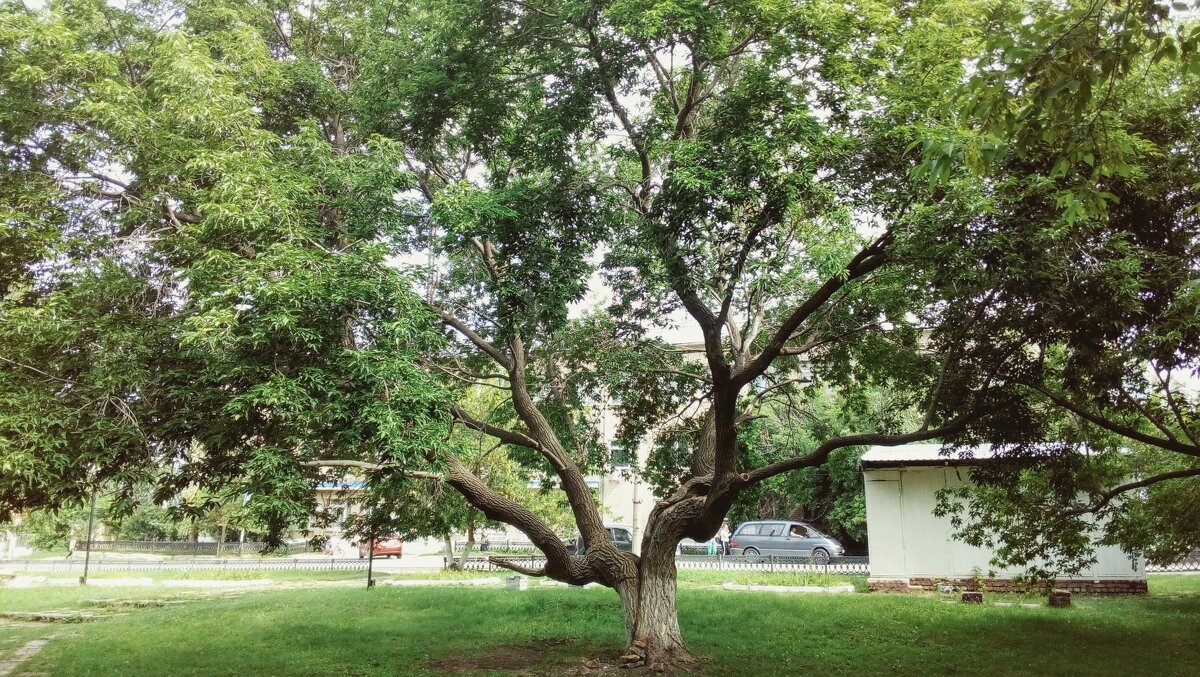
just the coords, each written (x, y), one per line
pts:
(784, 538)
(622, 537)
(384, 547)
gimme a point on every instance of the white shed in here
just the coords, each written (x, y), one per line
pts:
(911, 548)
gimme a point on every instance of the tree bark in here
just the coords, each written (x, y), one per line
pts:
(654, 619)
(648, 593)
(466, 551)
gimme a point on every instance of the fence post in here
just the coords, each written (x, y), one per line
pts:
(771, 563)
(721, 561)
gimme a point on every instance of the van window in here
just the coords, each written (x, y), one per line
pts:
(772, 530)
(748, 530)
(622, 536)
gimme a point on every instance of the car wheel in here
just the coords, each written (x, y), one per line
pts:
(820, 556)
(752, 554)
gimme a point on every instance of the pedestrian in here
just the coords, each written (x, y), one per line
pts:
(712, 547)
(723, 537)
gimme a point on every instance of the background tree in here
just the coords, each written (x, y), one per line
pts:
(1087, 232)
(212, 300)
(53, 529)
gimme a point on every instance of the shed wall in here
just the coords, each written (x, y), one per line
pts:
(907, 541)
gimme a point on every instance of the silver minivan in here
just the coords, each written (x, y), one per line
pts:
(784, 538)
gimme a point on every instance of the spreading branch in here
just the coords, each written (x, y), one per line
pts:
(503, 434)
(474, 337)
(867, 260)
(519, 568)
(1109, 495)
(1112, 426)
(367, 465)
(821, 454)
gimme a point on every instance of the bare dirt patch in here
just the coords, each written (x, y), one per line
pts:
(551, 656)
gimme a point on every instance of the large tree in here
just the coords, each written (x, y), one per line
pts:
(210, 205)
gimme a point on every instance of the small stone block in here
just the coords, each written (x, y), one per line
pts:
(1060, 598)
(1030, 606)
(972, 598)
(517, 583)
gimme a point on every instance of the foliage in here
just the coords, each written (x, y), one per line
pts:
(245, 239)
(54, 529)
(1031, 509)
(1086, 231)
(211, 301)
(150, 522)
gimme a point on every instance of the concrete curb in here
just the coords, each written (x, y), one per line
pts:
(831, 590)
(216, 583)
(427, 583)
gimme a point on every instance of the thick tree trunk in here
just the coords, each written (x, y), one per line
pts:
(651, 617)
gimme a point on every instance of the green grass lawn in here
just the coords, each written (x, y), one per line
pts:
(412, 631)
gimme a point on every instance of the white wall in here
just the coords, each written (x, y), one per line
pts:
(905, 540)
(626, 503)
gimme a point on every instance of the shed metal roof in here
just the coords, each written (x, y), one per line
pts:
(923, 454)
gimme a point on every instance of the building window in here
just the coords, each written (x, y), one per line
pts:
(620, 455)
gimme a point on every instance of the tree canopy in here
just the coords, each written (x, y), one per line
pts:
(246, 240)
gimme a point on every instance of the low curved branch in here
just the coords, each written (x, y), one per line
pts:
(1109, 495)
(519, 568)
(495, 506)
(821, 454)
(1111, 426)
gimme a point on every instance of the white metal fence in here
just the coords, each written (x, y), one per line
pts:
(193, 547)
(1189, 563)
(113, 565)
(845, 566)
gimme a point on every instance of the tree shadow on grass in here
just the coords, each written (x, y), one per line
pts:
(549, 656)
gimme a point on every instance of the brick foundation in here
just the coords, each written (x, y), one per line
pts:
(1001, 585)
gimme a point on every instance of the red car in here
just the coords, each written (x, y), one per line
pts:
(384, 547)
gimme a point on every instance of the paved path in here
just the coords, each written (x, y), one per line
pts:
(23, 654)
